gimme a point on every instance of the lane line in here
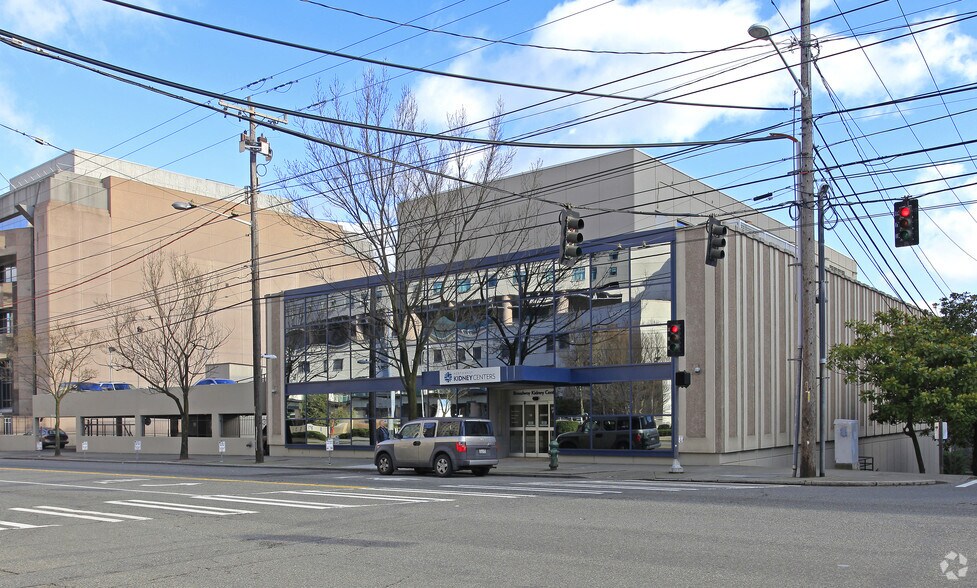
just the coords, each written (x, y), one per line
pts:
(408, 499)
(966, 484)
(551, 490)
(276, 502)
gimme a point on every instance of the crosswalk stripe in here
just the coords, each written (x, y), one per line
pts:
(275, 502)
(194, 508)
(966, 484)
(22, 526)
(72, 515)
(92, 512)
(366, 496)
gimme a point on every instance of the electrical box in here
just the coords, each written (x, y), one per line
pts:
(846, 443)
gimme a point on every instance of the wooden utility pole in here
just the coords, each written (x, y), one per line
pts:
(809, 276)
(255, 145)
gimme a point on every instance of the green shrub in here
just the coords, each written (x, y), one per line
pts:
(314, 435)
(956, 461)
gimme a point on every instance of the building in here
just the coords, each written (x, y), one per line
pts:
(517, 337)
(538, 346)
(95, 219)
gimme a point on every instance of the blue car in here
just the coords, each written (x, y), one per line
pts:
(82, 386)
(213, 381)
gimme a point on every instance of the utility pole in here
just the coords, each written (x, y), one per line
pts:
(255, 145)
(809, 355)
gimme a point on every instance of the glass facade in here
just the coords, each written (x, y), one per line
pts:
(608, 311)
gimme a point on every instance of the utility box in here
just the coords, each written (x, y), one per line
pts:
(846, 444)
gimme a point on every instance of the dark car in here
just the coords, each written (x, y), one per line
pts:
(613, 432)
(443, 445)
(214, 382)
(47, 437)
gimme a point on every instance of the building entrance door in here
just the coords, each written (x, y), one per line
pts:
(530, 423)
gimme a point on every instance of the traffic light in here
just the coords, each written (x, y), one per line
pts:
(570, 249)
(675, 333)
(906, 217)
(715, 241)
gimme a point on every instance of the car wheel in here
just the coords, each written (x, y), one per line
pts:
(481, 470)
(442, 466)
(385, 465)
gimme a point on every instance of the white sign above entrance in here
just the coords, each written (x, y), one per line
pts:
(473, 376)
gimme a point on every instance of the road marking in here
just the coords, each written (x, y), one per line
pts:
(57, 511)
(552, 490)
(365, 496)
(194, 508)
(121, 481)
(173, 484)
(966, 484)
(274, 502)
(656, 485)
(21, 526)
(448, 492)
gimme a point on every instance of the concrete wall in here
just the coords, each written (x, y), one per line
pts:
(230, 399)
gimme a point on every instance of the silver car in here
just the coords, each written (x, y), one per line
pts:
(443, 445)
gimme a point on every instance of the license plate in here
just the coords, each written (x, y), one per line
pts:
(482, 451)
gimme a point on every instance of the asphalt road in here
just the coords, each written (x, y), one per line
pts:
(102, 524)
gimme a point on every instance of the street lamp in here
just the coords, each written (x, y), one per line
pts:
(808, 254)
(259, 442)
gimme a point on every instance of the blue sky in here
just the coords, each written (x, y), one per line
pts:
(72, 108)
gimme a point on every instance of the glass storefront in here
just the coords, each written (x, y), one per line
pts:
(608, 311)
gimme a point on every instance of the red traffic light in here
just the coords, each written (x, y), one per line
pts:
(906, 217)
(674, 328)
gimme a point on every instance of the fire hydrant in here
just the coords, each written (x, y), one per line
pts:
(554, 454)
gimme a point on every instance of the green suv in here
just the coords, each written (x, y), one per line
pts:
(443, 445)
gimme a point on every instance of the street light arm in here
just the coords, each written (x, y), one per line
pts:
(797, 82)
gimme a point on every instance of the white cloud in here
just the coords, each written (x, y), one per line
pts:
(47, 19)
(854, 73)
(647, 25)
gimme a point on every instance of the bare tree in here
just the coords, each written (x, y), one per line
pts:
(170, 333)
(409, 211)
(61, 356)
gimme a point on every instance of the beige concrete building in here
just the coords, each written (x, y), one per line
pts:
(96, 219)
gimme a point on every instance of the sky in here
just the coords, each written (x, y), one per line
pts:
(879, 138)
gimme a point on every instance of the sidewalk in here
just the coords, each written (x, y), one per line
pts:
(533, 467)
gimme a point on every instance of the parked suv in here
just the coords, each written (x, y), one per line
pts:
(613, 432)
(442, 445)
